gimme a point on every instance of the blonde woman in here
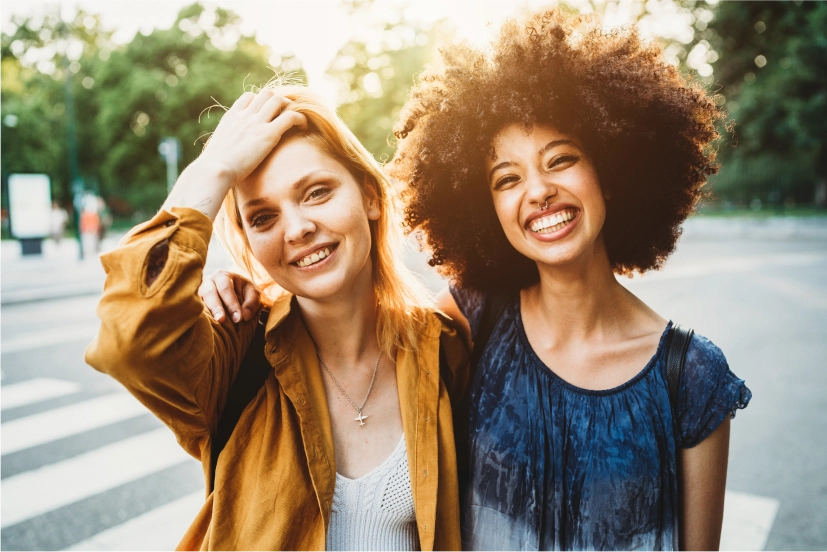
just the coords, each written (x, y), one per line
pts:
(349, 443)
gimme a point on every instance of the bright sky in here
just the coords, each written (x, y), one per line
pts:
(315, 29)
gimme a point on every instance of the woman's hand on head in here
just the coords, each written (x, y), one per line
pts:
(246, 134)
(249, 131)
(224, 292)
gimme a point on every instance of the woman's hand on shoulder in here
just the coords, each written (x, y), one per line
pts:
(246, 134)
(224, 291)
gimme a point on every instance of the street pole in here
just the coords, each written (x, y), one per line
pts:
(71, 135)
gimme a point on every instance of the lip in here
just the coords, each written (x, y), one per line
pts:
(553, 236)
(308, 250)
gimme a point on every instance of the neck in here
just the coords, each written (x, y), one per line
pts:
(580, 299)
(344, 327)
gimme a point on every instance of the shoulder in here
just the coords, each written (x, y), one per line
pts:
(471, 303)
(709, 391)
(704, 360)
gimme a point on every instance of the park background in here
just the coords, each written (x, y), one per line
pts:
(91, 88)
(87, 102)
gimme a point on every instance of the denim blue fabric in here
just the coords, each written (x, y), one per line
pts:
(555, 467)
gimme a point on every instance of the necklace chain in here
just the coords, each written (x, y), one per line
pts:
(370, 388)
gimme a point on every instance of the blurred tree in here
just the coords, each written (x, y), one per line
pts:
(127, 98)
(773, 76)
(376, 73)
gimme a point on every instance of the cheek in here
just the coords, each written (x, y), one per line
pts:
(507, 207)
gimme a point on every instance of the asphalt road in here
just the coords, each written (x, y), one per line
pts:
(83, 466)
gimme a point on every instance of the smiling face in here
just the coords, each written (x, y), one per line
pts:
(546, 194)
(308, 221)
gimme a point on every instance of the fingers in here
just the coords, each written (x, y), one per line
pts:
(225, 283)
(209, 294)
(287, 120)
(272, 107)
(261, 98)
(242, 101)
(251, 302)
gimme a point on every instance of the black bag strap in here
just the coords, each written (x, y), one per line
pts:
(491, 311)
(675, 358)
(253, 371)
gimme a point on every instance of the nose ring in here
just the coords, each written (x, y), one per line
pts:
(543, 206)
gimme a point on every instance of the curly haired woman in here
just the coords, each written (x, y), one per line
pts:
(539, 169)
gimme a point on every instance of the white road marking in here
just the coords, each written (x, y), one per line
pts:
(45, 338)
(36, 492)
(35, 390)
(69, 420)
(158, 529)
(748, 520)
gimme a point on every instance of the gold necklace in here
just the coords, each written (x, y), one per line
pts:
(359, 417)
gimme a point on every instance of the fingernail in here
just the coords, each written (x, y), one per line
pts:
(248, 314)
(236, 317)
(216, 315)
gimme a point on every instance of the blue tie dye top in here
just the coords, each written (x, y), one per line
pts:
(551, 466)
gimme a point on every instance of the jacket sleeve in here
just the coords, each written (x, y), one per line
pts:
(156, 337)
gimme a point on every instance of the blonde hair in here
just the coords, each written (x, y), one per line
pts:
(403, 302)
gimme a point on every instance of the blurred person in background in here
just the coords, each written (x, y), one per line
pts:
(539, 169)
(57, 223)
(307, 213)
(90, 226)
(105, 216)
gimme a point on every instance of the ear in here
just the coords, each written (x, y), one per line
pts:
(372, 203)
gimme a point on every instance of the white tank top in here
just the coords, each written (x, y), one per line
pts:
(375, 511)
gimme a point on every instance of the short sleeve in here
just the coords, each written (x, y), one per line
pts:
(709, 392)
(470, 303)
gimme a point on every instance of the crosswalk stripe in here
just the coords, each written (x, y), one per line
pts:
(748, 520)
(35, 390)
(68, 420)
(32, 493)
(45, 338)
(158, 529)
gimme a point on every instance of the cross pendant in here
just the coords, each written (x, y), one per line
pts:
(361, 418)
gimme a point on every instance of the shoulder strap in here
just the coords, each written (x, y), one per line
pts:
(675, 357)
(491, 311)
(250, 378)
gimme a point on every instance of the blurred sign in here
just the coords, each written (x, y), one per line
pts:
(30, 205)
(170, 150)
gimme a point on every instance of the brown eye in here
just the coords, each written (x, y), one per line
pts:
(260, 220)
(562, 159)
(506, 180)
(318, 193)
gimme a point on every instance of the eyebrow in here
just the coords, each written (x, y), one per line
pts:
(551, 145)
(296, 185)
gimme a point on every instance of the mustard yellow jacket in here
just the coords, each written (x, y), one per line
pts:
(275, 478)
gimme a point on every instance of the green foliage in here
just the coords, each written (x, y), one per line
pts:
(376, 76)
(169, 83)
(773, 75)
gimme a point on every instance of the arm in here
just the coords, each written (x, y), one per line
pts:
(702, 484)
(155, 337)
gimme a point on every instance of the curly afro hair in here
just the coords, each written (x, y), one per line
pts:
(647, 128)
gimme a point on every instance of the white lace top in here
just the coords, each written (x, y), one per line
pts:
(375, 511)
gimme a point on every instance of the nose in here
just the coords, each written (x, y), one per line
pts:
(296, 226)
(539, 190)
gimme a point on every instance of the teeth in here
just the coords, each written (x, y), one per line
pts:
(314, 257)
(552, 223)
